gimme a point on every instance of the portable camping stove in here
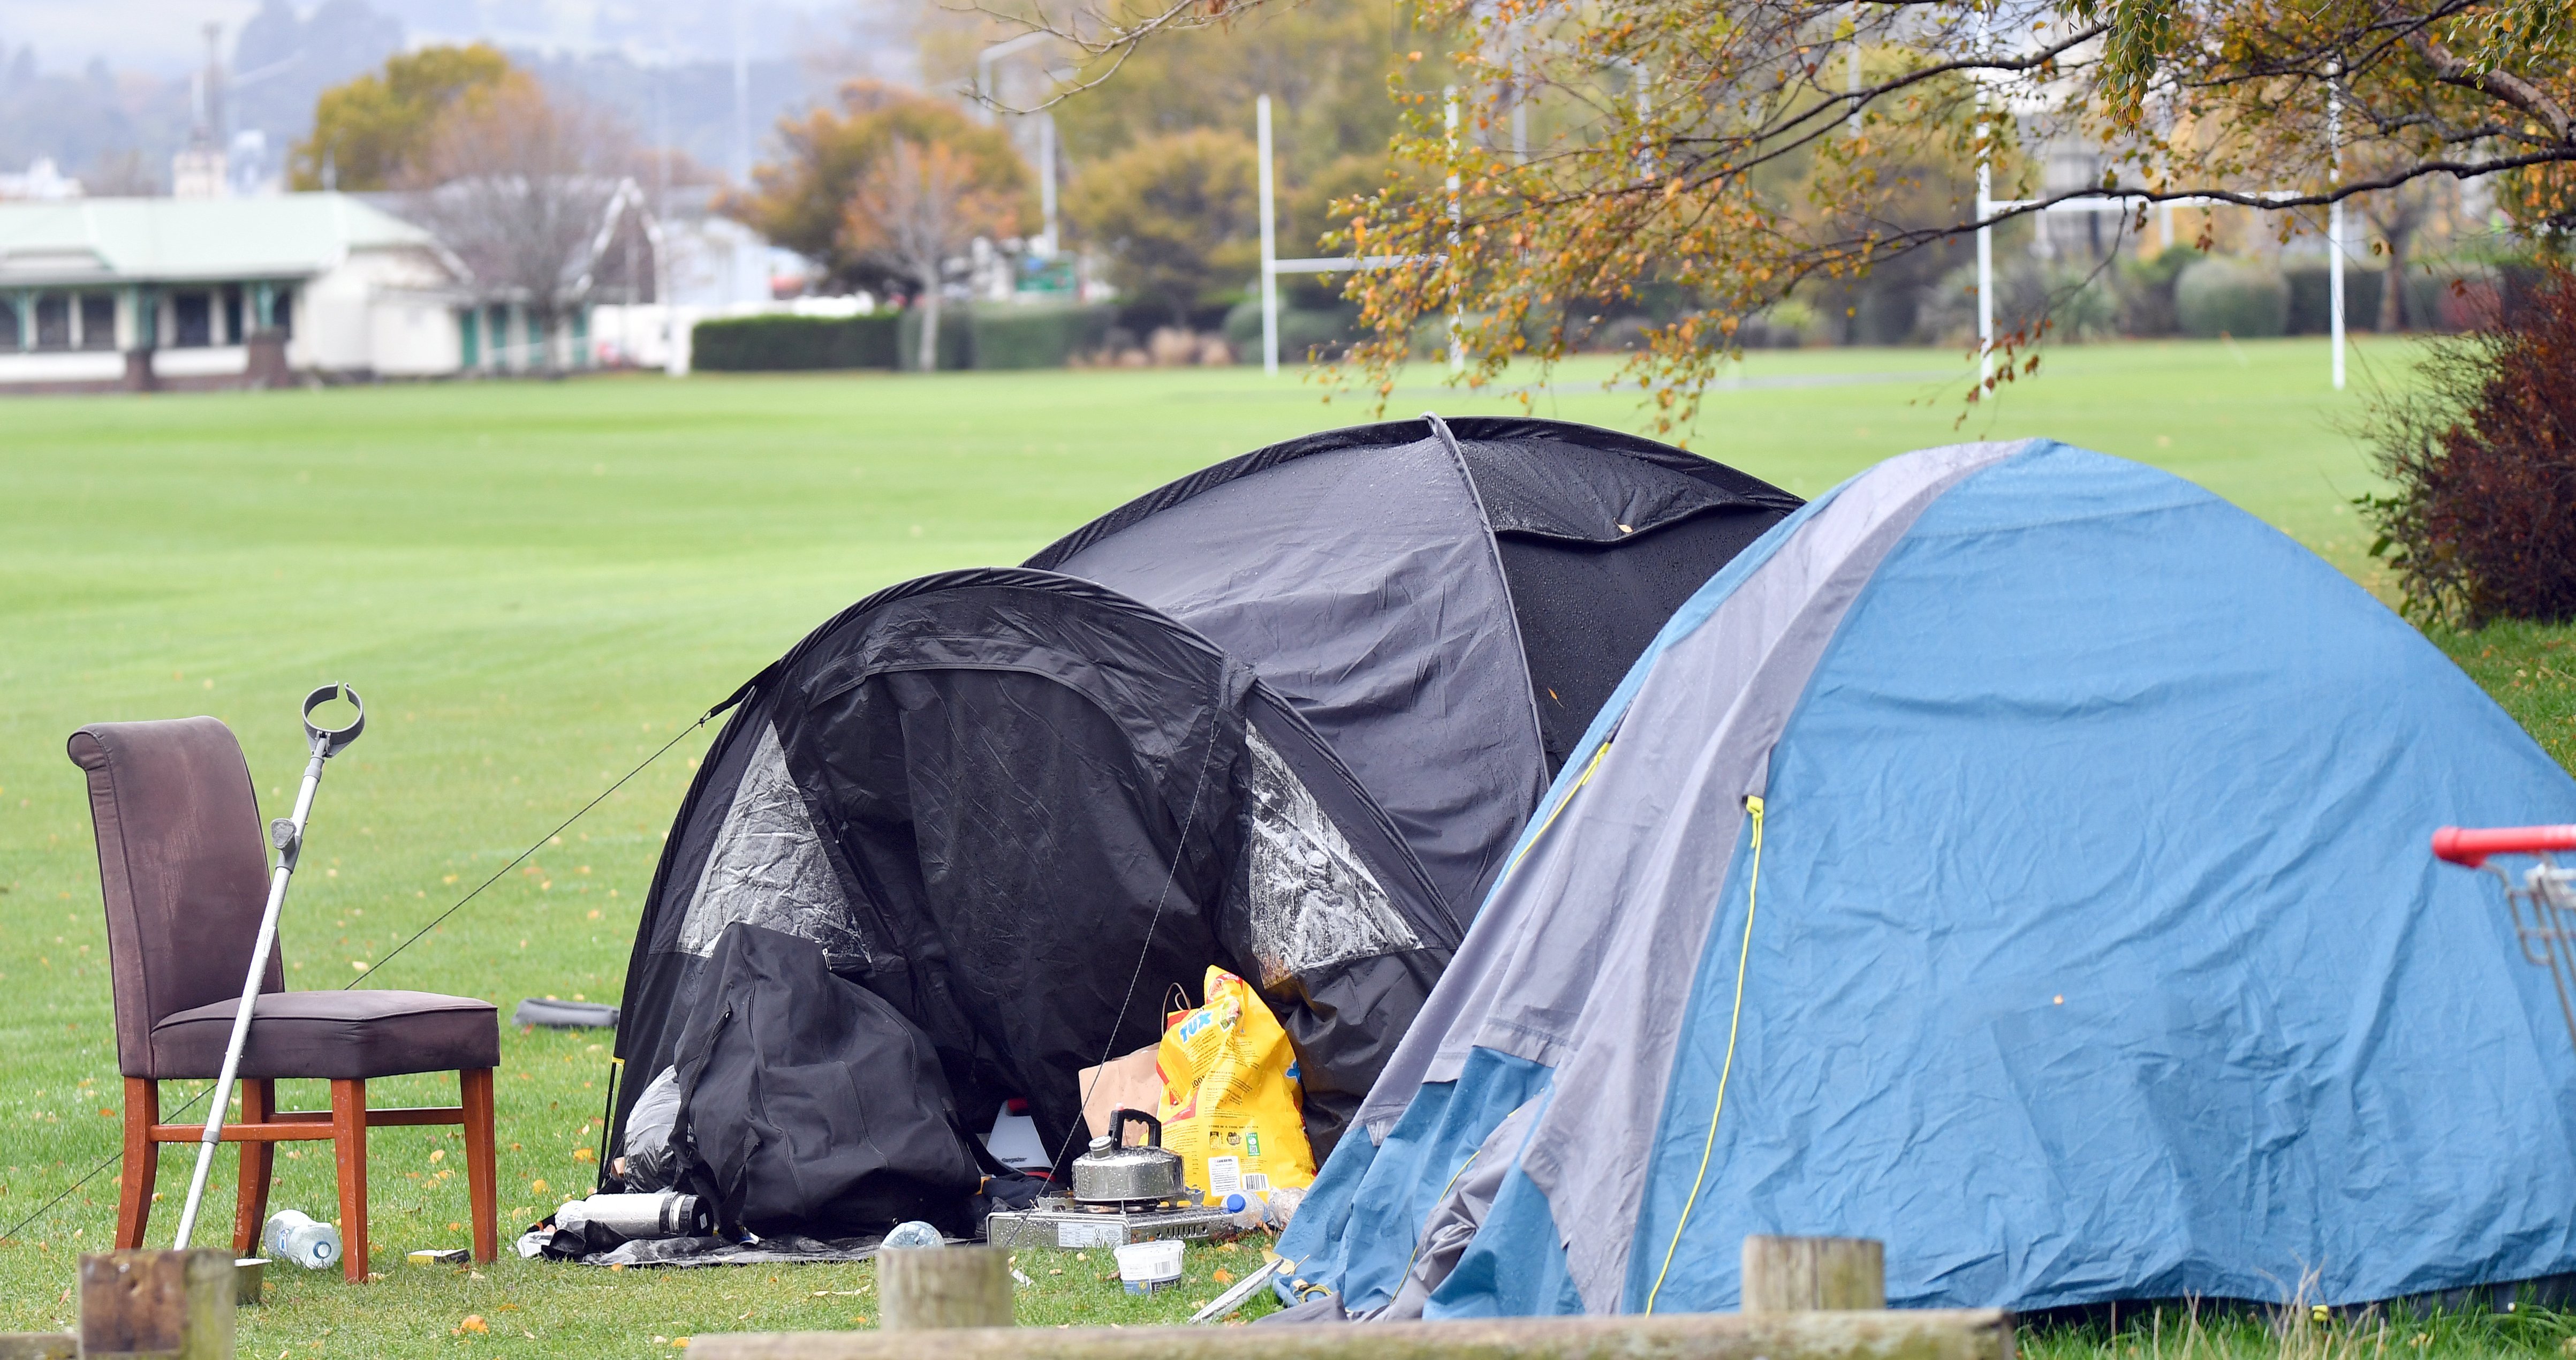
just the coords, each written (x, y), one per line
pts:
(2543, 903)
(1062, 1221)
(1121, 1194)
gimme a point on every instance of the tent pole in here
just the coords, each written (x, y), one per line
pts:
(1269, 245)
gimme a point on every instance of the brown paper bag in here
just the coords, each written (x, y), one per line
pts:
(1120, 1083)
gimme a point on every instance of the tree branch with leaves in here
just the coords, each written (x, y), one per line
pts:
(1735, 150)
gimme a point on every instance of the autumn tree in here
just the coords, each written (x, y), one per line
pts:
(1734, 150)
(368, 133)
(1178, 216)
(525, 190)
(1324, 67)
(803, 199)
(916, 206)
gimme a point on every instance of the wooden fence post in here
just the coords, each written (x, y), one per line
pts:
(176, 1304)
(1814, 1274)
(1900, 1334)
(927, 1287)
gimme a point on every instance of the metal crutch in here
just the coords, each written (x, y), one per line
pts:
(287, 834)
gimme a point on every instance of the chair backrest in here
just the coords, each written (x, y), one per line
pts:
(181, 866)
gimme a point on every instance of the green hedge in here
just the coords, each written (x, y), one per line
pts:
(1035, 335)
(956, 338)
(1302, 331)
(978, 335)
(767, 344)
(2243, 298)
(2312, 298)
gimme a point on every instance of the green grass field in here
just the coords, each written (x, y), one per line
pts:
(535, 584)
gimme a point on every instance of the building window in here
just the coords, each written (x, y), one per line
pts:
(232, 313)
(283, 309)
(53, 321)
(192, 320)
(10, 339)
(97, 321)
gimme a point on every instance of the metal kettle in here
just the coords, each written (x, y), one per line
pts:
(1112, 1174)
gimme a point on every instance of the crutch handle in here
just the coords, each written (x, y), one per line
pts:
(334, 739)
(2470, 846)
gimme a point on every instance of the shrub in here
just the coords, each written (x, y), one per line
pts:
(2482, 455)
(2075, 301)
(2451, 297)
(1177, 216)
(2145, 289)
(1306, 334)
(2312, 298)
(766, 344)
(1034, 335)
(2242, 298)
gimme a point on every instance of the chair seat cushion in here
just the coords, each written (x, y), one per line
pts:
(345, 1035)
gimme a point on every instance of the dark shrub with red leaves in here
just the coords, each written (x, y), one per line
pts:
(2481, 523)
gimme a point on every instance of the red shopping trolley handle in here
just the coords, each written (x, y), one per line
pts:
(2470, 845)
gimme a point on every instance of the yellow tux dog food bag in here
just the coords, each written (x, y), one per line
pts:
(1231, 1105)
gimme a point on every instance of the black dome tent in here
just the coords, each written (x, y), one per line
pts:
(1284, 716)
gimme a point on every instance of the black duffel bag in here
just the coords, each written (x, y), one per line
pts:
(810, 1105)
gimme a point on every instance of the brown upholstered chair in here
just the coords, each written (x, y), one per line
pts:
(182, 865)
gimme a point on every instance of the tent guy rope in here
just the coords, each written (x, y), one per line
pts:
(522, 856)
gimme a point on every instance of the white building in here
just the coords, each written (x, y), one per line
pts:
(43, 180)
(713, 267)
(216, 292)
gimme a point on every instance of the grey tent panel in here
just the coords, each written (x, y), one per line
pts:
(1365, 582)
(1459, 1212)
(1750, 662)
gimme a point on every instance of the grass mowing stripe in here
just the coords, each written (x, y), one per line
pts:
(522, 856)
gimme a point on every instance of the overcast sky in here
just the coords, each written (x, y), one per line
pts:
(168, 36)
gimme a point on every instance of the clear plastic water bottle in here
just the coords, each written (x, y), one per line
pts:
(1249, 1208)
(915, 1234)
(291, 1236)
(1269, 1209)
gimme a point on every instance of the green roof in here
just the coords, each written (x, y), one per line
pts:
(156, 240)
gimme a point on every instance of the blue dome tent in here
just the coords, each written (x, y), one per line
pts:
(2017, 855)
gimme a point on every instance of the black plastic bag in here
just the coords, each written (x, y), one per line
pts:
(809, 1105)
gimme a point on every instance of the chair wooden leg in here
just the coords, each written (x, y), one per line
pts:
(349, 1146)
(142, 1161)
(480, 1164)
(258, 1161)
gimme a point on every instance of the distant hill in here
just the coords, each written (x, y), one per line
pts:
(666, 69)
